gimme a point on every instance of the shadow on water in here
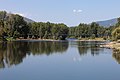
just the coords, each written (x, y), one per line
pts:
(13, 53)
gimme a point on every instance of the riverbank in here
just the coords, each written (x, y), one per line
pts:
(96, 39)
(112, 45)
(39, 39)
(18, 39)
(83, 39)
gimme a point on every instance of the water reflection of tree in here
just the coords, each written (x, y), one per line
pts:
(13, 53)
(82, 48)
(116, 55)
(85, 46)
(48, 47)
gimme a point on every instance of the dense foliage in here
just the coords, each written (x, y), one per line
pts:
(92, 31)
(14, 26)
(116, 31)
(48, 30)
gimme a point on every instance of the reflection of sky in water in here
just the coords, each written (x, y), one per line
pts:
(68, 63)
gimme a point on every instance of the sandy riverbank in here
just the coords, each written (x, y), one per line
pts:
(63, 40)
(35, 39)
(96, 39)
(92, 40)
(112, 45)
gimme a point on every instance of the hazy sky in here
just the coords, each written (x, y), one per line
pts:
(70, 12)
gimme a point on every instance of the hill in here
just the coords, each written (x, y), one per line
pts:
(107, 23)
(28, 20)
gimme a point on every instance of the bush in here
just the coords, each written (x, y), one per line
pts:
(9, 38)
(93, 36)
(116, 34)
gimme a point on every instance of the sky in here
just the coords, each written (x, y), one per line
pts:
(70, 12)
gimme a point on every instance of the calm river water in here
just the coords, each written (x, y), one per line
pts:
(58, 60)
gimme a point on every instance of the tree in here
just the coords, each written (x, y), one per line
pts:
(94, 28)
(116, 34)
(3, 15)
(72, 32)
(118, 22)
(63, 32)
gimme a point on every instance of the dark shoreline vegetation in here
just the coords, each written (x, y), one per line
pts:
(13, 26)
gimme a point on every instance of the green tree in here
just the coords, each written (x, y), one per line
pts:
(94, 28)
(116, 34)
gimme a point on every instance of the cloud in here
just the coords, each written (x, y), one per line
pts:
(74, 10)
(77, 11)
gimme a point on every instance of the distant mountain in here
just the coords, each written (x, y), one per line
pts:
(107, 23)
(28, 20)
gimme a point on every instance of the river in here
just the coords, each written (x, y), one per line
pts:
(58, 60)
